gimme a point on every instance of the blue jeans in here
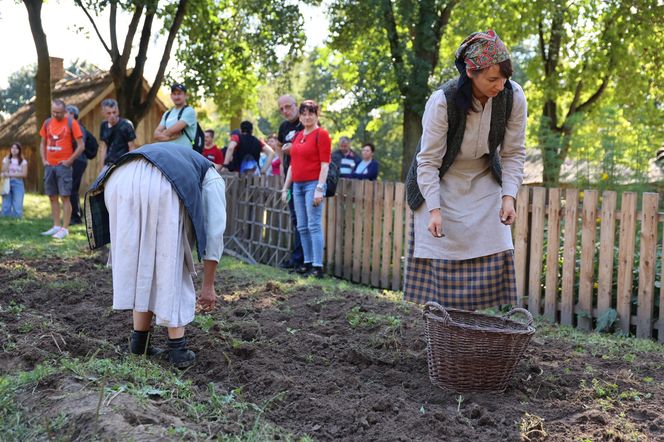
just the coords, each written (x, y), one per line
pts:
(12, 203)
(309, 221)
(297, 256)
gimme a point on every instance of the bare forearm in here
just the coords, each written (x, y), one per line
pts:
(209, 269)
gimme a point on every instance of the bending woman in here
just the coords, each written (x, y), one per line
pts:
(463, 183)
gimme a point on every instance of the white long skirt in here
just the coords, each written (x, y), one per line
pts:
(150, 245)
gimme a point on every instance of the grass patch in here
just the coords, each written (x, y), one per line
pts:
(362, 319)
(22, 238)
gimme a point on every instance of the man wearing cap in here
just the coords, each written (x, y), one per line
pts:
(178, 125)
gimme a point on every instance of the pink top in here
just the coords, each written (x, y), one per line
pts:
(14, 167)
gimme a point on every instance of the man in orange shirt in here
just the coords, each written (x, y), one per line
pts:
(58, 155)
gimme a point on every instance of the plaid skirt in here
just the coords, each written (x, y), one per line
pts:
(469, 284)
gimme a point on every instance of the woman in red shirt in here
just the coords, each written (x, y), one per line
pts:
(310, 160)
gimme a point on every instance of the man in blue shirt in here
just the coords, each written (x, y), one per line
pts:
(178, 125)
(345, 158)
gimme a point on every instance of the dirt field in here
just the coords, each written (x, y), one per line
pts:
(283, 359)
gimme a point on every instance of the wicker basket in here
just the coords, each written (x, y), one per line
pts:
(469, 351)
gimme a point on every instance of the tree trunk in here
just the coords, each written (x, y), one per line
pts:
(43, 77)
(412, 131)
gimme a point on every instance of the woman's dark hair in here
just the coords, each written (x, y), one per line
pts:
(464, 95)
(20, 152)
(371, 146)
(309, 105)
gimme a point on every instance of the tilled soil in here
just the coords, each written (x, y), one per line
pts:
(314, 368)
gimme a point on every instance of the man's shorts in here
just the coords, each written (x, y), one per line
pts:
(57, 180)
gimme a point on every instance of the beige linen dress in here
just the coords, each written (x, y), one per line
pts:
(469, 199)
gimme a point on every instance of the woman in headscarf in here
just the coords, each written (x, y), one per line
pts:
(463, 183)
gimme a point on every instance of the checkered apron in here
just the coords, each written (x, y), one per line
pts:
(469, 284)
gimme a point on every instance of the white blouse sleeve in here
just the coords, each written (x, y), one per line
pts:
(513, 149)
(433, 148)
(214, 210)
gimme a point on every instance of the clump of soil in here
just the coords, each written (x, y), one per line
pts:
(343, 365)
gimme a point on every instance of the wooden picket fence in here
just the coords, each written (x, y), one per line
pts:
(575, 251)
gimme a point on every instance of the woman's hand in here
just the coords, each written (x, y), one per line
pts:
(207, 300)
(507, 212)
(318, 197)
(284, 196)
(435, 223)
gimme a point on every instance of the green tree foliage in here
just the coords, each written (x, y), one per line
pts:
(20, 90)
(405, 36)
(228, 47)
(585, 54)
(133, 103)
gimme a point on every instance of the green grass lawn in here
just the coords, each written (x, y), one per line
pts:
(22, 238)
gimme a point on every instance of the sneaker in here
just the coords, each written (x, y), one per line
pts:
(52, 231)
(61, 234)
(304, 268)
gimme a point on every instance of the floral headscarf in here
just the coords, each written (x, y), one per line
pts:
(482, 49)
(478, 51)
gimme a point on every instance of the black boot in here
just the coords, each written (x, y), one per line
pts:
(139, 344)
(179, 354)
(304, 268)
(316, 272)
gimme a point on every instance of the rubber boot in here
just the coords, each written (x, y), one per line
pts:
(178, 353)
(139, 344)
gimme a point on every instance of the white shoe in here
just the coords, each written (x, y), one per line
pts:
(60, 234)
(52, 231)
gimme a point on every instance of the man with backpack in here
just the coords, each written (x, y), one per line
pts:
(58, 154)
(178, 124)
(80, 164)
(116, 134)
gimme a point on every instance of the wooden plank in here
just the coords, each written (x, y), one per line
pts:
(660, 323)
(626, 258)
(358, 223)
(377, 234)
(569, 256)
(587, 270)
(399, 200)
(339, 228)
(406, 244)
(552, 256)
(330, 231)
(367, 234)
(647, 257)
(348, 231)
(388, 202)
(521, 243)
(607, 237)
(536, 250)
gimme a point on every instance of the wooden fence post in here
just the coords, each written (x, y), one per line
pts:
(521, 243)
(377, 234)
(626, 258)
(569, 257)
(536, 250)
(358, 215)
(552, 256)
(647, 257)
(587, 270)
(397, 249)
(607, 238)
(388, 202)
(369, 187)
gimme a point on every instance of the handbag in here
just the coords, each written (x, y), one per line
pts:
(4, 190)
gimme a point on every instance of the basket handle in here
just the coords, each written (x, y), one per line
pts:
(520, 310)
(429, 306)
